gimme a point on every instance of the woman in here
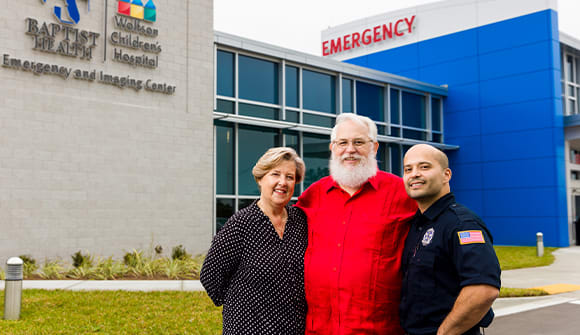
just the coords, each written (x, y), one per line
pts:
(255, 265)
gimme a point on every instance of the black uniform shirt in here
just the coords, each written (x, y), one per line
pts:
(448, 247)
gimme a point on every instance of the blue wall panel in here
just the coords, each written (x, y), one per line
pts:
(502, 174)
(462, 98)
(446, 74)
(469, 150)
(518, 202)
(462, 123)
(525, 115)
(510, 61)
(519, 145)
(517, 88)
(456, 46)
(515, 32)
(504, 111)
(522, 230)
(468, 176)
(473, 199)
(360, 61)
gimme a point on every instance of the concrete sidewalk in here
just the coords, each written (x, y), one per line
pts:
(564, 270)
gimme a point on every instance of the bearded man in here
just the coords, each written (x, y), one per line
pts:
(357, 224)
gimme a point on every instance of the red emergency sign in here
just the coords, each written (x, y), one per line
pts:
(368, 36)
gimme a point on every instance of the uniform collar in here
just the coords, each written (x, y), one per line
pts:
(373, 182)
(437, 207)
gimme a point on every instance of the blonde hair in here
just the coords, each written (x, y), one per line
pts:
(273, 157)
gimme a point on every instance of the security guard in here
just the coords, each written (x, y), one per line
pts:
(451, 273)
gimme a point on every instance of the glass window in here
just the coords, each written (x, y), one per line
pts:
(225, 106)
(571, 107)
(436, 114)
(570, 68)
(225, 73)
(259, 111)
(243, 203)
(347, 96)
(225, 160)
(253, 143)
(395, 106)
(382, 130)
(319, 92)
(370, 101)
(258, 79)
(223, 210)
(414, 134)
(318, 120)
(576, 67)
(316, 155)
(395, 150)
(292, 86)
(291, 140)
(396, 131)
(383, 157)
(414, 110)
(436, 138)
(292, 116)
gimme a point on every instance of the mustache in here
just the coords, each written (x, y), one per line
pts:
(347, 156)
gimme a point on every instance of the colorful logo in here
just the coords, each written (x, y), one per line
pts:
(72, 11)
(135, 9)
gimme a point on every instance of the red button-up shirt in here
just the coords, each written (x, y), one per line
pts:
(352, 265)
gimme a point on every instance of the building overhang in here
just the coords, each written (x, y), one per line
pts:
(253, 121)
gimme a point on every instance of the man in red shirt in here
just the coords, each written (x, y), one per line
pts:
(357, 224)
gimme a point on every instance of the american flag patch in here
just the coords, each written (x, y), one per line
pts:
(470, 236)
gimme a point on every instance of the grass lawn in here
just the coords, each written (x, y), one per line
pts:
(522, 257)
(114, 312)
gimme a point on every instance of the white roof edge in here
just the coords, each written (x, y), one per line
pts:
(569, 40)
(323, 62)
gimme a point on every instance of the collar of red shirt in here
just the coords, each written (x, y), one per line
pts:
(373, 182)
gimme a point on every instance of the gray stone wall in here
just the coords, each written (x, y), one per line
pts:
(87, 165)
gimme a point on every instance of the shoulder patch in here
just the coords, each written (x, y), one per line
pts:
(470, 236)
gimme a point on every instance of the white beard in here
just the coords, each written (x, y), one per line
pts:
(356, 176)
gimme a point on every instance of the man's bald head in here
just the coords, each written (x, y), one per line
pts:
(426, 174)
(435, 153)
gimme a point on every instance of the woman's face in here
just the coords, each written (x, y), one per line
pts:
(277, 186)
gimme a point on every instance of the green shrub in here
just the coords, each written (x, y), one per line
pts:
(133, 258)
(108, 268)
(158, 250)
(29, 265)
(52, 270)
(179, 252)
(140, 265)
(80, 260)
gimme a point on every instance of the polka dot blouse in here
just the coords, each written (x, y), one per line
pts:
(258, 277)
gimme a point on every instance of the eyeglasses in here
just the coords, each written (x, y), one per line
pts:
(357, 142)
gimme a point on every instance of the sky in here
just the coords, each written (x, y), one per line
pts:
(297, 24)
